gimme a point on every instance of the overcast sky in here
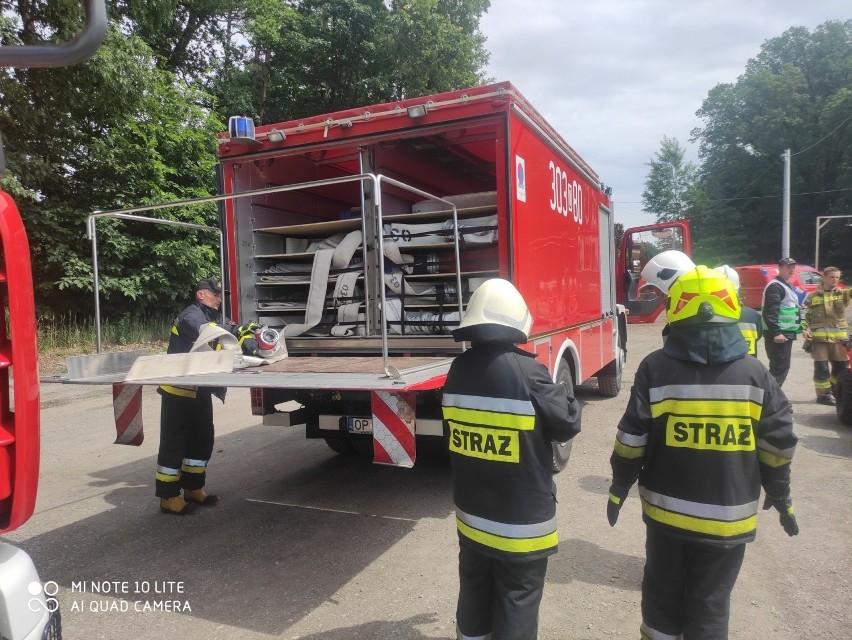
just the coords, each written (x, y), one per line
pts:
(615, 76)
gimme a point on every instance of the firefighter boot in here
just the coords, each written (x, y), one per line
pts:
(200, 497)
(827, 398)
(176, 506)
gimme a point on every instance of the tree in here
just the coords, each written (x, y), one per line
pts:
(185, 36)
(794, 94)
(315, 56)
(671, 188)
(110, 133)
(137, 123)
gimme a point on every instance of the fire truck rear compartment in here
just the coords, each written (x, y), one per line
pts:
(279, 236)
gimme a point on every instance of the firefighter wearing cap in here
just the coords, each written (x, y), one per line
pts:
(781, 320)
(186, 413)
(704, 428)
(825, 326)
(503, 411)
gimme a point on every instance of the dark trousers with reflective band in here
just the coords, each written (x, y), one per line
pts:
(779, 358)
(825, 378)
(498, 597)
(186, 432)
(687, 587)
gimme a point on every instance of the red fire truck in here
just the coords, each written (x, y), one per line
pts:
(360, 235)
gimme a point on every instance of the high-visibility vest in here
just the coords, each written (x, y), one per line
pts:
(789, 315)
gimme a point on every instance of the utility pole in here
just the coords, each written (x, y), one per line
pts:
(785, 218)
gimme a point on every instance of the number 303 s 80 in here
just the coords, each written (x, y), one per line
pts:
(566, 195)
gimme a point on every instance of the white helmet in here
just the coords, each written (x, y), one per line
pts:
(496, 301)
(731, 274)
(664, 268)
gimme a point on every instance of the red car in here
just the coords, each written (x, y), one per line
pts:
(755, 277)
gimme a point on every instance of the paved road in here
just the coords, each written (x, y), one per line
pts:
(307, 544)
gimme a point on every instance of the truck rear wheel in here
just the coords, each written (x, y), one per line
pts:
(362, 444)
(562, 450)
(339, 445)
(843, 395)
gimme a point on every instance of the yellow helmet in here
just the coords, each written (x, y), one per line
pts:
(702, 295)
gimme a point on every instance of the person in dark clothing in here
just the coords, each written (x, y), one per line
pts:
(781, 320)
(186, 413)
(751, 324)
(704, 429)
(503, 412)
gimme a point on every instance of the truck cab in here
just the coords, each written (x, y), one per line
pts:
(638, 246)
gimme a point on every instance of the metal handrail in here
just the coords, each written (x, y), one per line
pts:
(376, 181)
(92, 234)
(391, 372)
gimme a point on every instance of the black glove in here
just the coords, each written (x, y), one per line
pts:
(613, 505)
(787, 517)
(249, 345)
(248, 329)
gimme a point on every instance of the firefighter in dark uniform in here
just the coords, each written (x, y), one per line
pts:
(186, 413)
(704, 428)
(751, 323)
(503, 411)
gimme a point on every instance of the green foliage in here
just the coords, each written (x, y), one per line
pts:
(671, 188)
(136, 124)
(317, 56)
(146, 140)
(68, 333)
(795, 94)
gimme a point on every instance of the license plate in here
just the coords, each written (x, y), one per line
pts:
(359, 425)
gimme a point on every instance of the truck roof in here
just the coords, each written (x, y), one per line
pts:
(381, 118)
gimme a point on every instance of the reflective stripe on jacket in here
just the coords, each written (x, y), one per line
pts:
(184, 333)
(825, 314)
(502, 411)
(702, 439)
(751, 326)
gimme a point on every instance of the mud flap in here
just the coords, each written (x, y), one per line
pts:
(393, 428)
(127, 407)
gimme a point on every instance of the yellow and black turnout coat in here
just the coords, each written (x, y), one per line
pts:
(825, 314)
(503, 411)
(704, 428)
(751, 326)
(185, 331)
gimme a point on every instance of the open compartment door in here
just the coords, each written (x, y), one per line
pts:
(638, 246)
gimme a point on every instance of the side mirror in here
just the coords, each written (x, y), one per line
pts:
(80, 48)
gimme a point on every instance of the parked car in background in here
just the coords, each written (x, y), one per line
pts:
(755, 277)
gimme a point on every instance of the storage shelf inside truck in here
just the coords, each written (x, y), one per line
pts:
(331, 227)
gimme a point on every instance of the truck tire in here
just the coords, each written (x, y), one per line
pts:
(340, 445)
(843, 395)
(609, 385)
(362, 444)
(562, 450)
